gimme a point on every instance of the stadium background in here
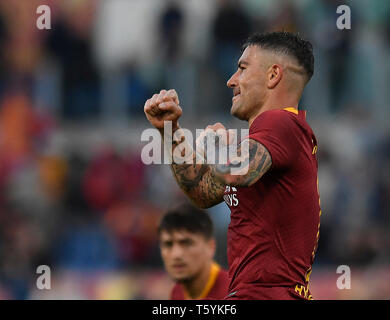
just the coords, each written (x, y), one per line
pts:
(74, 194)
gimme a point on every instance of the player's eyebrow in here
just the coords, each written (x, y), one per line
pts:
(242, 62)
(185, 241)
(166, 243)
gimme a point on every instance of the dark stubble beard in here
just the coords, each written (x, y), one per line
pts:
(238, 115)
(235, 111)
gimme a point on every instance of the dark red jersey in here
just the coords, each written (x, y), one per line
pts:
(216, 287)
(274, 228)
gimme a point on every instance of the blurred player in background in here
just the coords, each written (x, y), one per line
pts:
(274, 228)
(187, 248)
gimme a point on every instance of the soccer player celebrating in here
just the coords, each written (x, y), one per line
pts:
(187, 249)
(274, 228)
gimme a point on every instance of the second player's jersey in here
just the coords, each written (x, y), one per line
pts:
(216, 287)
(274, 228)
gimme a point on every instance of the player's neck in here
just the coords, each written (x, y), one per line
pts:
(195, 287)
(272, 104)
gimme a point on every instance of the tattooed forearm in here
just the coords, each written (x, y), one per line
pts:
(189, 176)
(204, 184)
(197, 182)
(249, 168)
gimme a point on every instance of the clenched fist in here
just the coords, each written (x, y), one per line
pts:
(227, 137)
(163, 107)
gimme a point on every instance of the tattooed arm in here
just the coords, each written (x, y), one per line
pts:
(197, 182)
(252, 164)
(194, 179)
(204, 184)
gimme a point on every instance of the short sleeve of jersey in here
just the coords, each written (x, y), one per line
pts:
(275, 130)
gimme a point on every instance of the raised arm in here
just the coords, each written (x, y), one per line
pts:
(195, 180)
(204, 184)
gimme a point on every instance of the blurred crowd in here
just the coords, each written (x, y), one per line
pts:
(74, 193)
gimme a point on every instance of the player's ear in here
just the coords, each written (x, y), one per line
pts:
(274, 75)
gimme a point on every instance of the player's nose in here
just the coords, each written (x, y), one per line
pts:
(233, 81)
(176, 251)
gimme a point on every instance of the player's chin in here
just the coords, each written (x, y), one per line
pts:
(236, 111)
(181, 277)
(233, 110)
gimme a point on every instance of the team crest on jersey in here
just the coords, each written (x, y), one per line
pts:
(230, 196)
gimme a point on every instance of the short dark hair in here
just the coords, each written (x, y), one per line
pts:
(189, 218)
(287, 43)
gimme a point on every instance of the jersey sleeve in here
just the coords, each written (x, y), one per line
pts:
(275, 130)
